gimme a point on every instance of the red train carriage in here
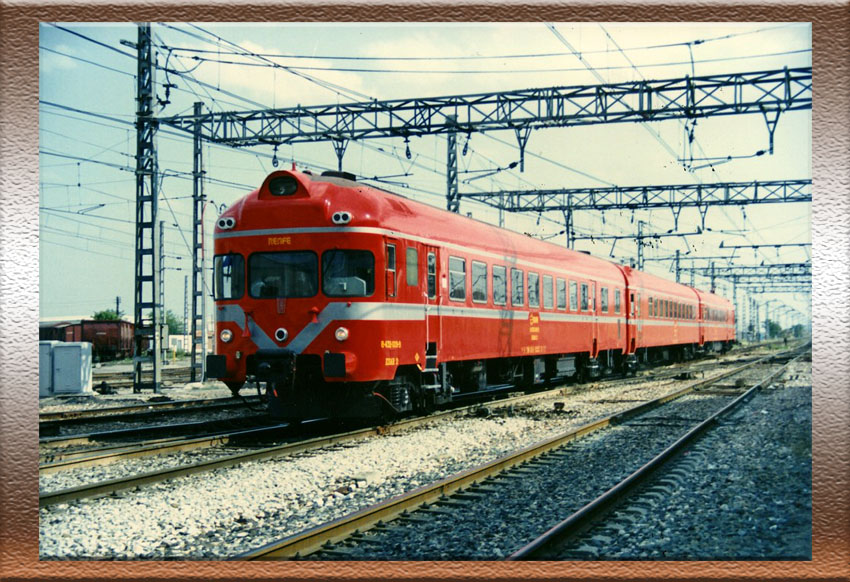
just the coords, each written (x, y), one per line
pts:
(344, 300)
(664, 324)
(717, 321)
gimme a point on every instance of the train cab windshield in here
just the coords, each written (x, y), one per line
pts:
(229, 276)
(348, 273)
(283, 274)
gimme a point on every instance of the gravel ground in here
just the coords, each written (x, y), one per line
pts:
(760, 509)
(228, 511)
(744, 490)
(526, 502)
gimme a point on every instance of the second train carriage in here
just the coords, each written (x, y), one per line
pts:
(347, 300)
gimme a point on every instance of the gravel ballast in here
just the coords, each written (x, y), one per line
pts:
(228, 511)
(746, 491)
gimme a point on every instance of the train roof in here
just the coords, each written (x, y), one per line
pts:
(318, 197)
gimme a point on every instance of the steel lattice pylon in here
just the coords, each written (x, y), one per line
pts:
(147, 311)
(199, 332)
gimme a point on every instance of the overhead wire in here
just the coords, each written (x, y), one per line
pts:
(348, 57)
(505, 143)
(501, 71)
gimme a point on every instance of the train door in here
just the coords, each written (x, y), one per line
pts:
(594, 322)
(433, 295)
(391, 268)
(638, 320)
(632, 322)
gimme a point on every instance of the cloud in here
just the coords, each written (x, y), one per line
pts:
(50, 62)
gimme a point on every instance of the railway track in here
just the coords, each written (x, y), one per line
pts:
(346, 537)
(277, 451)
(58, 424)
(52, 462)
(56, 460)
(580, 530)
(177, 375)
(124, 412)
(148, 431)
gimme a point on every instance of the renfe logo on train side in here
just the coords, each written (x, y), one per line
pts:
(534, 326)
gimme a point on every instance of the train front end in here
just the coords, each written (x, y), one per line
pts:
(294, 274)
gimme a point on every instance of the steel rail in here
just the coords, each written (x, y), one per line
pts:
(81, 439)
(113, 485)
(48, 426)
(115, 453)
(122, 411)
(312, 540)
(543, 546)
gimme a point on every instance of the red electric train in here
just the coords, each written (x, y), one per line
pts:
(346, 300)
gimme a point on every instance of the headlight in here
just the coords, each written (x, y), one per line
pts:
(283, 186)
(341, 334)
(280, 334)
(226, 335)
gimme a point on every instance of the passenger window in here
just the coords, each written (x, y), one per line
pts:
(479, 282)
(533, 290)
(457, 279)
(500, 285)
(649, 305)
(547, 292)
(432, 275)
(616, 301)
(603, 299)
(517, 296)
(573, 296)
(584, 297)
(412, 267)
(562, 294)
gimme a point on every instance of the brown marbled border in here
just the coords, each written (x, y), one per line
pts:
(19, 285)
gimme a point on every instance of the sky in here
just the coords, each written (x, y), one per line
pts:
(87, 138)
